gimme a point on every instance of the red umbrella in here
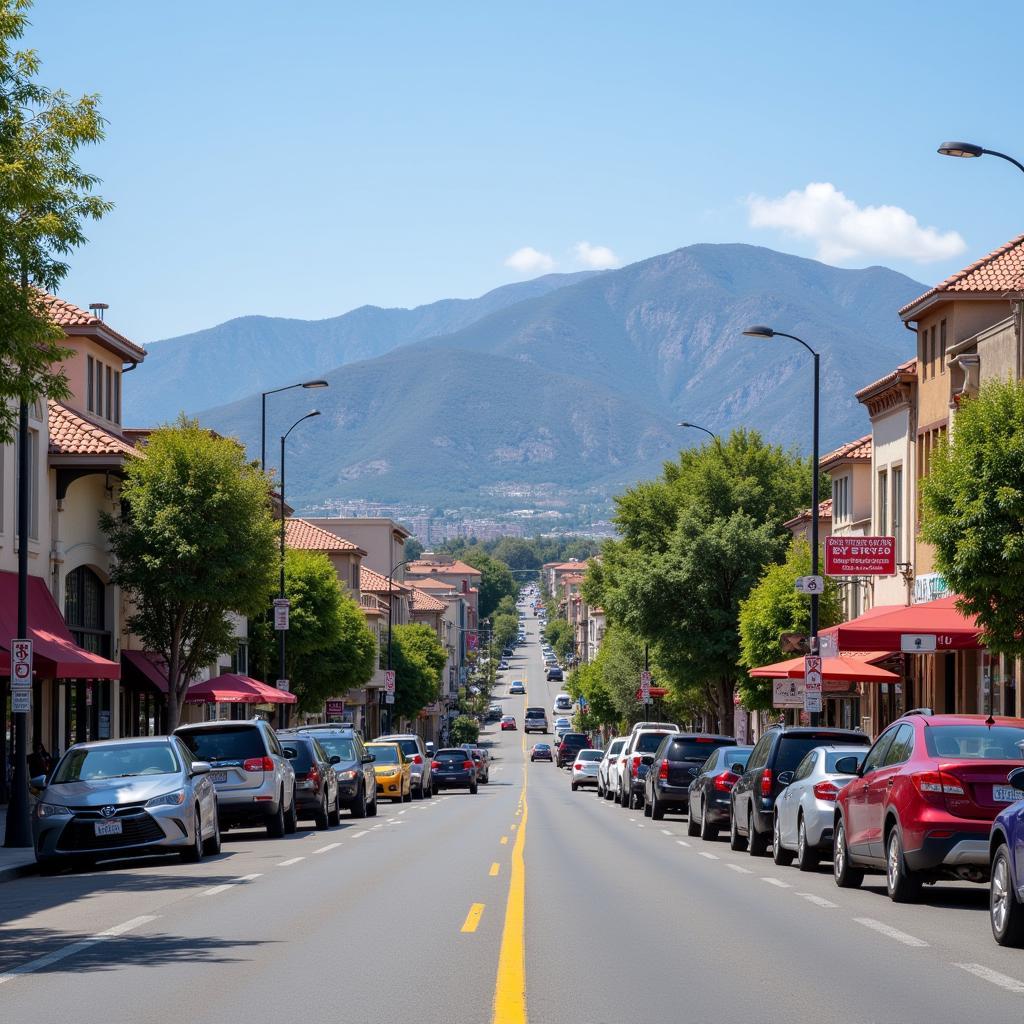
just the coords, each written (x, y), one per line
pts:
(845, 668)
(231, 688)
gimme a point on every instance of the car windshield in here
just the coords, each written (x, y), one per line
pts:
(338, 746)
(385, 753)
(589, 755)
(975, 742)
(116, 762)
(648, 742)
(225, 743)
(303, 752)
(831, 756)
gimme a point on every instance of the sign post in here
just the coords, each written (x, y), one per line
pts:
(812, 683)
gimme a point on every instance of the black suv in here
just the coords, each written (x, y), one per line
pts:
(572, 743)
(357, 781)
(768, 772)
(676, 764)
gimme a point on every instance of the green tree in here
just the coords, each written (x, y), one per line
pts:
(45, 200)
(496, 581)
(465, 730)
(506, 629)
(587, 681)
(517, 553)
(973, 512)
(558, 633)
(413, 548)
(194, 541)
(774, 607)
(418, 658)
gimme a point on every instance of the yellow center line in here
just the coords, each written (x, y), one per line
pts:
(495, 868)
(510, 985)
(473, 917)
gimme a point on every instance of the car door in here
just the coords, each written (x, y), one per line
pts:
(788, 802)
(741, 792)
(858, 817)
(202, 785)
(880, 786)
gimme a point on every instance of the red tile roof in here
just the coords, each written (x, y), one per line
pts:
(299, 533)
(429, 584)
(824, 512)
(904, 370)
(423, 602)
(852, 451)
(71, 433)
(998, 273)
(67, 314)
(454, 568)
(373, 583)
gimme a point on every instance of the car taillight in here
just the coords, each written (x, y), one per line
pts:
(467, 764)
(724, 781)
(634, 766)
(313, 775)
(826, 791)
(258, 764)
(663, 769)
(435, 765)
(766, 782)
(578, 766)
(417, 759)
(933, 786)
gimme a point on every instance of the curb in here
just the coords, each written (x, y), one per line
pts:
(15, 871)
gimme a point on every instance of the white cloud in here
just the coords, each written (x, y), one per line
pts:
(844, 231)
(599, 257)
(529, 260)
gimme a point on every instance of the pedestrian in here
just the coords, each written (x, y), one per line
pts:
(39, 761)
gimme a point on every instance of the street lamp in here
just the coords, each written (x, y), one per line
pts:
(263, 414)
(391, 605)
(967, 150)
(282, 632)
(697, 426)
(761, 331)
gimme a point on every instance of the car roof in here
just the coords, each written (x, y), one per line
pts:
(397, 736)
(123, 741)
(702, 736)
(811, 730)
(227, 723)
(933, 720)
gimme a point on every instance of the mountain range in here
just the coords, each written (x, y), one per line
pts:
(575, 381)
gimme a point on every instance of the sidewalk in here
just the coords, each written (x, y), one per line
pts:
(14, 863)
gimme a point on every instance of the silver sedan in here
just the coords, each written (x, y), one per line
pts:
(805, 809)
(584, 768)
(116, 798)
(608, 770)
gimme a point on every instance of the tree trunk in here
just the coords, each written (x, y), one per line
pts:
(724, 707)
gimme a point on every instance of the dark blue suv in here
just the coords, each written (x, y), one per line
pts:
(1006, 846)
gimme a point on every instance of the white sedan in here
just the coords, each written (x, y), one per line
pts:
(608, 769)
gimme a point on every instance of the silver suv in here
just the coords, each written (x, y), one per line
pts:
(414, 749)
(536, 720)
(255, 782)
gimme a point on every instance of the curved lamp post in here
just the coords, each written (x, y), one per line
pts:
(263, 413)
(697, 426)
(766, 333)
(967, 150)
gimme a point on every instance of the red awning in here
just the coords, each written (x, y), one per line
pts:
(151, 666)
(883, 628)
(235, 689)
(55, 654)
(852, 668)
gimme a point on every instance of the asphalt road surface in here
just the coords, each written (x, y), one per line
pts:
(523, 902)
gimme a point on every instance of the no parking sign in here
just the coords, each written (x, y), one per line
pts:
(21, 676)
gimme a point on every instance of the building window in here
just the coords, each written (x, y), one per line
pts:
(883, 503)
(89, 367)
(117, 396)
(85, 601)
(110, 391)
(841, 499)
(355, 578)
(240, 659)
(33, 488)
(942, 346)
(897, 510)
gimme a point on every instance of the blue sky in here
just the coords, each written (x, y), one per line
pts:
(302, 159)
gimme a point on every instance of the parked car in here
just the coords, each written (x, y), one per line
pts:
(555, 674)
(805, 810)
(584, 768)
(642, 743)
(316, 785)
(494, 713)
(503, 665)
(454, 768)
(419, 760)
(541, 752)
(508, 723)
(255, 781)
(393, 770)
(1006, 911)
(357, 781)
(607, 770)
(535, 720)
(571, 744)
(319, 727)
(518, 687)
(122, 797)
(483, 764)
(709, 805)
(922, 805)
(663, 726)
(677, 762)
(563, 702)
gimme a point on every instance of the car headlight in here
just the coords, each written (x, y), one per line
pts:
(175, 799)
(393, 771)
(50, 810)
(346, 776)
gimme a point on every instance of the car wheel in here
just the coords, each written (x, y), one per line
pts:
(707, 830)
(472, 789)
(334, 818)
(291, 817)
(358, 806)
(47, 866)
(407, 798)
(657, 813)
(692, 825)
(647, 807)
(434, 788)
(417, 793)
(194, 853)
(758, 843)
(371, 809)
(429, 791)
(806, 855)
(213, 843)
(902, 884)
(574, 786)
(845, 874)
(275, 821)
(780, 854)
(320, 819)
(736, 841)
(1005, 912)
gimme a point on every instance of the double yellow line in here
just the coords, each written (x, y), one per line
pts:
(510, 986)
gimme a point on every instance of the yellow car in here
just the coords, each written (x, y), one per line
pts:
(393, 771)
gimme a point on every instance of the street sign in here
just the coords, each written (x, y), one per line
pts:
(281, 606)
(917, 643)
(812, 683)
(21, 663)
(860, 556)
(645, 687)
(810, 585)
(283, 684)
(787, 693)
(389, 698)
(389, 681)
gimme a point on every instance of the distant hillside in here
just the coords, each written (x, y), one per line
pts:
(582, 386)
(251, 353)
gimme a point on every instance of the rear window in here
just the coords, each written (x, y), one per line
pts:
(589, 755)
(648, 742)
(693, 749)
(451, 755)
(831, 756)
(225, 743)
(409, 747)
(385, 753)
(975, 742)
(303, 752)
(575, 737)
(535, 712)
(792, 748)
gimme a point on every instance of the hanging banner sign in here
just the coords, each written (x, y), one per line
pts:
(860, 556)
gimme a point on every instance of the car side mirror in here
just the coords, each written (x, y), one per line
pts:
(850, 765)
(37, 784)
(1016, 779)
(200, 768)
(737, 768)
(289, 752)
(335, 759)
(368, 758)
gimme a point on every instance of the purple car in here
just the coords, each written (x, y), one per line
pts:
(1006, 841)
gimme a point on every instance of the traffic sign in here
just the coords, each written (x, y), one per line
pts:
(828, 646)
(645, 687)
(283, 684)
(21, 664)
(812, 683)
(21, 699)
(389, 682)
(787, 693)
(389, 698)
(281, 606)
(860, 556)
(810, 584)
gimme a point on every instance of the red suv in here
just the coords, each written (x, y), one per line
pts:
(922, 803)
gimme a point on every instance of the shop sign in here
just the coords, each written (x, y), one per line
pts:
(930, 586)
(860, 556)
(787, 693)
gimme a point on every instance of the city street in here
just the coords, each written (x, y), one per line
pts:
(419, 915)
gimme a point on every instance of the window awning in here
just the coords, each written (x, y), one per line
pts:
(55, 654)
(883, 628)
(231, 688)
(150, 666)
(852, 668)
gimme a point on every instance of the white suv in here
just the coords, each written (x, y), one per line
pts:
(642, 742)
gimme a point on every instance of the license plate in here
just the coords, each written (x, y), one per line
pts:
(1005, 794)
(216, 777)
(108, 828)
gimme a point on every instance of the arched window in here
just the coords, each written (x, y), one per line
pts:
(85, 604)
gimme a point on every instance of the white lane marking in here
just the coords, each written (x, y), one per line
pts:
(632, 819)
(250, 878)
(777, 882)
(218, 889)
(290, 861)
(640, 825)
(329, 846)
(76, 947)
(818, 901)
(666, 832)
(404, 809)
(682, 842)
(739, 869)
(892, 933)
(710, 856)
(391, 821)
(987, 974)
